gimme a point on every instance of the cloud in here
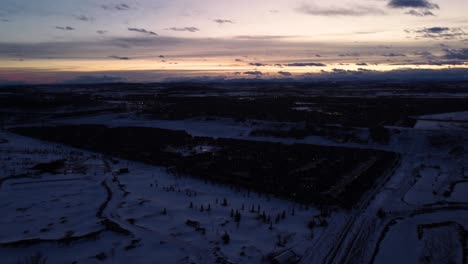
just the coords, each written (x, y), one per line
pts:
(142, 30)
(354, 10)
(84, 18)
(101, 32)
(444, 62)
(435, 30)
(424, 53)
(407, 74)
(404, 74)
(394, 55)
(355, 54)
(439, 33)
(360, 75)
(435, 62)
(305, 64)
(117, 7)
(256, 73)
(189, 29)
(456, 54)
(196, 49)
(425, 4)
(258, 64)
(119, 58)
(284, 73)
(420, 13)
(67, 28)
(362, 64)
(223, 21)
(365, 70)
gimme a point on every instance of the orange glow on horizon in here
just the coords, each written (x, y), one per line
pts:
(214, 66)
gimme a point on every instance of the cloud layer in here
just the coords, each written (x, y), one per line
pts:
(142, 30)
(188, 29)
(446, 33)
(353, 10)
(67, 28)
(223, 21)
(412, 4)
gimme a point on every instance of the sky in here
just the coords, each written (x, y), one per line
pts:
(67, 41)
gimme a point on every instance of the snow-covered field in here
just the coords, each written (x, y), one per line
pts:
(456, 116)
(450, 121)
(215, 128)
(426, 238)
(90, 214)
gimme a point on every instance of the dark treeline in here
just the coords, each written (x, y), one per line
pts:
(304, 173)
(347, 111)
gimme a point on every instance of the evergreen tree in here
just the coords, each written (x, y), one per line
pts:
(226, 238)
(237, 216)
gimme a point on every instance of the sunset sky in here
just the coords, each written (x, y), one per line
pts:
(51, 41)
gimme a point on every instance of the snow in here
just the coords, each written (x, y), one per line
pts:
(53, 206)
(302, 108)
(459, 193)
(196, 127)
(415, 193)
(403, 245)
(423, 191)
(455, 120)
(455, 116)
(426, 124)
(154, 205)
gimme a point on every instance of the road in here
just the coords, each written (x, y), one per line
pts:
(362, 222)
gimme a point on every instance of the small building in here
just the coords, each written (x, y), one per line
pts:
(287, 257)
(122, 171)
